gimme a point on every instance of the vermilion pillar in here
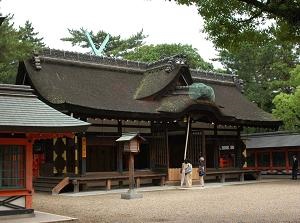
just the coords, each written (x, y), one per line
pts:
(28, 171)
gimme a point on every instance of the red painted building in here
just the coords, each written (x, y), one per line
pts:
(24, 119)
(272, 152)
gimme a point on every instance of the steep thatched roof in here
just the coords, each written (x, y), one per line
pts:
(105, 87)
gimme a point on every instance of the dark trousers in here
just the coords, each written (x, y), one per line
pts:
(294, 174)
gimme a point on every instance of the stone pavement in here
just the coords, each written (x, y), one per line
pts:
(40, 217)
(266, 201)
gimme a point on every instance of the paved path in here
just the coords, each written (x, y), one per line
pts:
(266, 201)
(39, 217)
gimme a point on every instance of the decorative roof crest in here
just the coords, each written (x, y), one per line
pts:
(36, 61)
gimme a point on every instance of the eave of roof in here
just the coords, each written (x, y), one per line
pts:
(272, 140)
(22, 111)
(233, 103)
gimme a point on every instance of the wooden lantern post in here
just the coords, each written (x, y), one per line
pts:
(131, 171)
(132, 146)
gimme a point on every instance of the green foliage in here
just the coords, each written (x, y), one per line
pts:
(15, 45)
(231, 23)
(265, 69)
(151, 53)
(295, 77)
(287, 106)
(116, 46)
(28, 36)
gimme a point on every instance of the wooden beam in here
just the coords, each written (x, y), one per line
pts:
(13, 141)
(39, 136)
(9, 192)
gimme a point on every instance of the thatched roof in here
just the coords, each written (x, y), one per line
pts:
(104, 87)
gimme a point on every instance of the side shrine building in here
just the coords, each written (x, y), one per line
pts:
(154, 99)
(24, 120)
(272, 152)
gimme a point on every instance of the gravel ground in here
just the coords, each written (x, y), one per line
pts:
(259, 202)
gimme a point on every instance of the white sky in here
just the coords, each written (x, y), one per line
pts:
(163, 21)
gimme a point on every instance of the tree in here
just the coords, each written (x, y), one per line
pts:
(116, 46)
(133, 48)
(230, 23)
(29, 36)
(15, 45)
(264, 69)
(151, 53)
(287, 106)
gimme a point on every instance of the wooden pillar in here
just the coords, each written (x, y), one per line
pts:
(216, 148)
(152, 147)
(64, 155)
(238, 149)
(256, 160)
(83, 155)
(203, 146)
(167, 144)
(76, 155)
(120, 149)
(271, 160)
(287, 163)
(131, 171)
(28, 198)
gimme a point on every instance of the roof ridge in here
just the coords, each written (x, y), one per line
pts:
(175, 59)
(85, 57)
(216, 77)
(212, 75)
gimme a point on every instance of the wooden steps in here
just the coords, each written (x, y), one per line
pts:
(46, 184)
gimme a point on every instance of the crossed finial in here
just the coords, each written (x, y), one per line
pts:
(102, 46)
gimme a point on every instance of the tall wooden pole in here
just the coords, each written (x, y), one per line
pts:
(187, 136)
(131, 171)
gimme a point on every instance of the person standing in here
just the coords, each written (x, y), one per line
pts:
(294, 168)
(201, 171)
(187, 170)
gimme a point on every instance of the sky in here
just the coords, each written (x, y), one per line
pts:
(163, 21)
